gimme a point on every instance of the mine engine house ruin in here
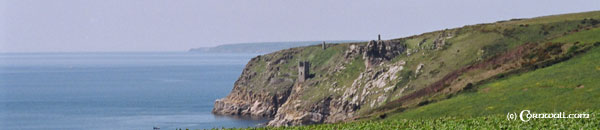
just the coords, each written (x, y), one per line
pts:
(303, 71)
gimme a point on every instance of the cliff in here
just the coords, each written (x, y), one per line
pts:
(354, 80)
(268, 87)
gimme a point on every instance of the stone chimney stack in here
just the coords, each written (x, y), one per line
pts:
(379, 37)
(324, 45)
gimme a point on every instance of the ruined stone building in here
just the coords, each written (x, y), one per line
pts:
(303, 71)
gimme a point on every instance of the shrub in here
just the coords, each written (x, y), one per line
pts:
(493, 49)
(572, 49)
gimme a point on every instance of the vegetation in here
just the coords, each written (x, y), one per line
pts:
(559, 73)
(551, 89)
(497, 121)
(475, 43)
(567, 86)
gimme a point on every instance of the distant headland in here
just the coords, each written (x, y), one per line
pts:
(261, 47)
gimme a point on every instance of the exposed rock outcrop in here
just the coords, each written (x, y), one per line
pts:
(382, 50)
(244, 103)
(250, 96)
(441, 39)
(372, 86)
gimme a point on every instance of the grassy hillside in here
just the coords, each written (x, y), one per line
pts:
(463, 76)
(570, 86)
(567, 86)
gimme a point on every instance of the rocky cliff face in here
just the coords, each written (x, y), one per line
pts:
(268, 85)
(250, 96)
(246, 103)
(382, 50)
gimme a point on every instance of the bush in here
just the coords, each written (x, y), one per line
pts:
(493, 49)
(594, 21)
(572, 49)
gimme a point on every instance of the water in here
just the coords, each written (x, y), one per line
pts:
(117, 90)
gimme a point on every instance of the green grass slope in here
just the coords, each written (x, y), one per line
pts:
(475, 43)
(560, 73)
(567, 86)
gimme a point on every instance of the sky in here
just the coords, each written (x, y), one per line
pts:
(178, 25)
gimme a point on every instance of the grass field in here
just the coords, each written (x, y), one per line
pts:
(497, 121)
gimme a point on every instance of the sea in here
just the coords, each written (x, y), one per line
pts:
(117, 90)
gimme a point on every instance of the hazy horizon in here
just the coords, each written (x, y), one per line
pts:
(167, 26)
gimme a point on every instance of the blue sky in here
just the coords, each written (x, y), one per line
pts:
(167, 25)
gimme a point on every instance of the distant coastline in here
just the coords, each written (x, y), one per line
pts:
(261, 47)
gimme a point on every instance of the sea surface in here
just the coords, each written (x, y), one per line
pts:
(117, 91)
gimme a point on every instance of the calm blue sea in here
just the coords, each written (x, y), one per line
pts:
(128, 91)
